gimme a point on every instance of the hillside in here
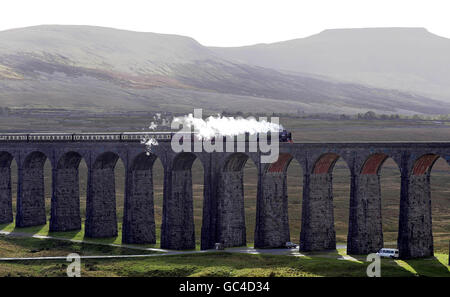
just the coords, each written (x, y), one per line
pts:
(409, 59)
(98, 69)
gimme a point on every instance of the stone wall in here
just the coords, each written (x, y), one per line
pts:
(139, 216)
(101, 218)
(230, 209)
(31, 198)
(317, 231)
(178, 221)
(365, 225)
(415, 231)
(272, 228)
(6, 215)
(65, 208)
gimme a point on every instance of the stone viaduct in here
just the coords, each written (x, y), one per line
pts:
(223, 206)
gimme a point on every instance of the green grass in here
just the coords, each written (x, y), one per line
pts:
(225, 264)
(35, 247)
(323, 263)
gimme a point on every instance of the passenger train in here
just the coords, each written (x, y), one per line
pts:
(284, 136)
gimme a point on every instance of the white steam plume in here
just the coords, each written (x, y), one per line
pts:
(149, 143)
(225, 126)
(216, 126)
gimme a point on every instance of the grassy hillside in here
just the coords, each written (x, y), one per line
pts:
(103, 69)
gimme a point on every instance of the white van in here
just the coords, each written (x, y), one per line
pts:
(388, 253)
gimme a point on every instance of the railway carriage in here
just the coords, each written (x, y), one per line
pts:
(50, 137)
(13, 137)
(96, 137)
(138, 136)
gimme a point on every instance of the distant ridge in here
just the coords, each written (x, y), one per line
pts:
(408, 59)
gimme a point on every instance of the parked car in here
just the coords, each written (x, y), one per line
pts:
(219, 246)
(388, 253)
(290, 245)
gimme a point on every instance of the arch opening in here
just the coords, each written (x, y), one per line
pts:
(424, 164)
(235, 162)
(325, 163)
(158, 195)
(373, 163)
(294, 176)
(440, 204)
(390, 184)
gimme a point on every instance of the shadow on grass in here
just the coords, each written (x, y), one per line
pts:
(32, 229)
(324, 253)
(27, 246)
(430, 266)
(5, 227)
(107, 240)
(228, 264)
(73, 234)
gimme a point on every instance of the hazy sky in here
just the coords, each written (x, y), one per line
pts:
(231, 22)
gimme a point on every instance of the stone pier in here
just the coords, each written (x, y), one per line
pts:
(178, 230)
(65, 207)
(415, 238)
(317, 231)
(139, 215)
(30, 193)
(6, 214)
(230, 202)
(101, 218)
(365, 233)
(272, 220)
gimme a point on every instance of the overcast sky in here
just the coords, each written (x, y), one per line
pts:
(231, 22)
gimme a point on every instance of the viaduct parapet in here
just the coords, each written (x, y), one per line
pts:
(223, 205)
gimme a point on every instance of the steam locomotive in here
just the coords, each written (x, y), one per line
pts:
(285, 136)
